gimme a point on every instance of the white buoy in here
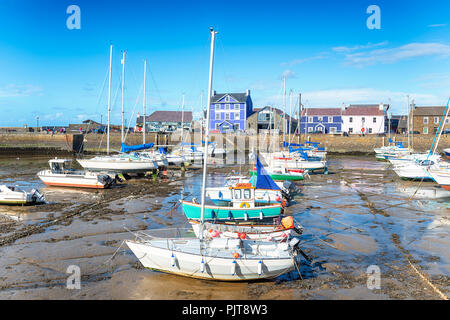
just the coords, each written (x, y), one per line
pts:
(233, 268)
(260, 267)
(261, 216)
(202, 266)
(172, 260)
(245, 216)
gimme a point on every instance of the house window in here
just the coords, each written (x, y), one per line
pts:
(218, 116)
(320, 118)
(425, 120)
(237, 115)
(227, 107)
(370, 129)
(217, 106)
(374, 119)
(436, 120)
(236, 106)
(351, 119)
(333, 129)
(363, 119)
(227, 116)
(425, 130)
(227, 98)
(350, 130)
(236, 126)
(310, 129)
(310, 119)
(330, 119)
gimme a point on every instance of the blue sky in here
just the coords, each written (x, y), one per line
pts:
(324, 48)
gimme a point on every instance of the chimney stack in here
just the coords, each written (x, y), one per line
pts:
(248, 92)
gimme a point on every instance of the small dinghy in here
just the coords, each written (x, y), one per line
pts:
(16, 196)
(60, 175)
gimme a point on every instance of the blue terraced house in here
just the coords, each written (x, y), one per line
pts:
(229, 111)
(324, 120)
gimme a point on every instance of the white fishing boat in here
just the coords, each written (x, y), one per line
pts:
(13, 195)
(217, 258)
(61, 175)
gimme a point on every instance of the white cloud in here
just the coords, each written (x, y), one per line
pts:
(289, 74)
(359, 47)
(437, 25)
(391, 55)
(303, 60)
(13, 90)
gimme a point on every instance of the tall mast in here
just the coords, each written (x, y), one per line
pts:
(143, 102)
(109, 98)
(202, 215)
(123, 90)
(299, 117)
(203, 115)
(284, 108)
(182, 122)
(409, 119)
(290, 114)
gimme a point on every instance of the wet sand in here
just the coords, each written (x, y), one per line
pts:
(358, 215)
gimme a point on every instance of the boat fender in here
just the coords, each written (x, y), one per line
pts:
(202, 266)
(220, 195)
(214, 233)
(172, 260)
(230, 215)
(278, 198)
(243, 235)
(245, 216)
(260, 267)
(233, 267)
(283, 203)
(245, 204)
(213, 214)
(261, 215)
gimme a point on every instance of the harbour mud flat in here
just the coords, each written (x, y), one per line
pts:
(357, 217)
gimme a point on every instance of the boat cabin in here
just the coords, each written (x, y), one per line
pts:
(243, 195)
(59, 165)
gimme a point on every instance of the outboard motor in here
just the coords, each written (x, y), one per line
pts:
(105, 179)
(294, 244)
(37, 196)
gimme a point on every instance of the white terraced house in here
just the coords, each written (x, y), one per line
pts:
(364, 119)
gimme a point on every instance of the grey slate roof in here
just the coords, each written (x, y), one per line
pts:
(167, 116)
(240, 97)
(429, 111)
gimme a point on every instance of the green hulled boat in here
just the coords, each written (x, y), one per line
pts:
(292, 176)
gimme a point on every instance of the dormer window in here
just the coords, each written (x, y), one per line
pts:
(227, 98)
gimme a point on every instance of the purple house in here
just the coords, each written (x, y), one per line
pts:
(229, 111)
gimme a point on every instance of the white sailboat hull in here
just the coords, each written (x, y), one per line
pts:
(118, 165)
(218, 265)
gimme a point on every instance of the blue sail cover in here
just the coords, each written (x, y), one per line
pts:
(138, 147)
(287, 144)
(162, 150)
(263, 180)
